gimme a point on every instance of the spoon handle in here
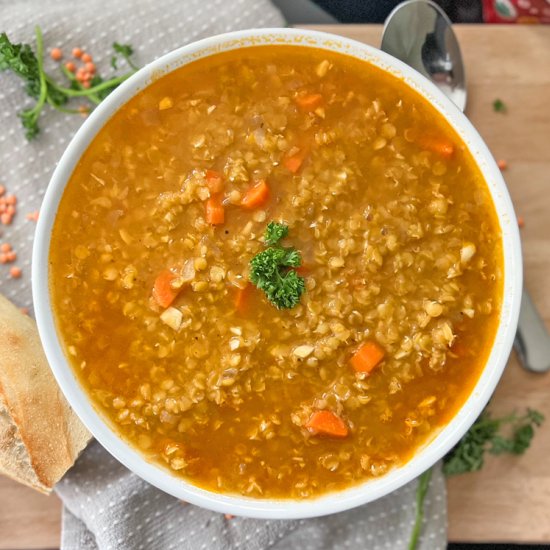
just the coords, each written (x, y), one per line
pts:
(532, 342)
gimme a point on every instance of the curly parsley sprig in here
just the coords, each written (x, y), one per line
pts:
(508, 434)
(488, 434)
(272, 269)
(39, 85)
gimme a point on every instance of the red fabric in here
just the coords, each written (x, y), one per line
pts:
(516, 11)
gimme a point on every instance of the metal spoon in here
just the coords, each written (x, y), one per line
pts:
(419, 33)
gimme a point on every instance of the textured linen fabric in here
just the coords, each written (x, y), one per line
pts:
(106, 506)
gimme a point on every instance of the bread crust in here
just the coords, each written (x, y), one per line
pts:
(40, 435)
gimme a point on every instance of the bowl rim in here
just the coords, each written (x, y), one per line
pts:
(332, 502)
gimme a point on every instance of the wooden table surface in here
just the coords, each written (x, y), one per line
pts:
(510, 499)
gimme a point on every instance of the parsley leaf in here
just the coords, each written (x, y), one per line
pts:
(485, 435)
(499, 106)
(20, 59)
(509, 434)
(125, 51)
(275, 232)
(271, 270)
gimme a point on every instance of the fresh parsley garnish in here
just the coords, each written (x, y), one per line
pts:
(272, 269)
(275, 232)
(499, 106)
(509, 434)
(39, 85)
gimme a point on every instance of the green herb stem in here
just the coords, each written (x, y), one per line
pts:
(35, 111)
(87, 92)
(62, 109)
(421, 491)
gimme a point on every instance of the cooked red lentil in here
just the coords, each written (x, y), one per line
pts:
(401, 255)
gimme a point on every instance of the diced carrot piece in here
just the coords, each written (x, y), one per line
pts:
(215, 212)
(214, 181)
(77, 52)
(256, 196)
(437, 145)
(367, 357)
(521, 222)
(302, 270)
(294, 162)
(327, 423)
(163, 292)
(309, 102)
(242, 299)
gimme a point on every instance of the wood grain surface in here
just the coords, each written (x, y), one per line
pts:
(509, 501)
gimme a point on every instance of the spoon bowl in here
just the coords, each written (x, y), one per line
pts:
(420, 34)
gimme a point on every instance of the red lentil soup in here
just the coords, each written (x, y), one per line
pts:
(400, 260)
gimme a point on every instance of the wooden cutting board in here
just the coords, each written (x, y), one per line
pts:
(510, 499)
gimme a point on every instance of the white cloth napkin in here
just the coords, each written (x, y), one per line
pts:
(105, 505)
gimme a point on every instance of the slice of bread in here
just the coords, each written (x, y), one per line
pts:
(40, 435)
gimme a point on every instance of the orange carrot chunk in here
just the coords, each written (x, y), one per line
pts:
(214, 181)
(256, 196)
(294, 162)
(241, 299)
(309, 102)
(163, 292)
(367, 357)
(215, 212)
(327, 423)
(437, 145)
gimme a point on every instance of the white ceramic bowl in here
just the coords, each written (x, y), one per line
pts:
(333, 502)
